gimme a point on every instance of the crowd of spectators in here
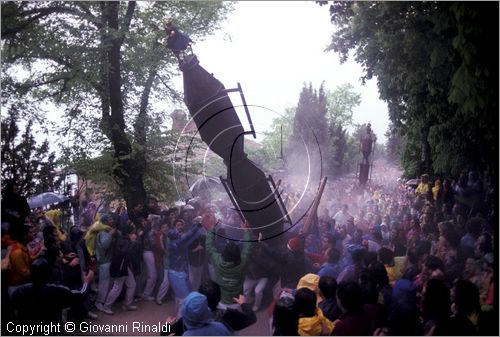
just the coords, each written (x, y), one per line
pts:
(386, 259)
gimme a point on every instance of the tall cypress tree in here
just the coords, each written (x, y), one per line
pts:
(309, 134)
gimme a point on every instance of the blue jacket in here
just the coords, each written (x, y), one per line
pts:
(197, 317)
(178, 248)
(103, 249)
(330, 269)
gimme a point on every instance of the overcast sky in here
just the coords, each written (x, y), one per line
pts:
(272, 48)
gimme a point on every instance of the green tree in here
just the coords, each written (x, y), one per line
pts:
(437, 72)
(30, 165)
(310, 115)
(336, 149)
(340, 103)
(276, 140)
(103, 62)
(309, 132)
(394, 145)
(170, 156)
(320, 119)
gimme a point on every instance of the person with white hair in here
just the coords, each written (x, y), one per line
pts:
(342, 216)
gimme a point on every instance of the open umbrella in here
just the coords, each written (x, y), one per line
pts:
(46, 198)
(203, 184)
(413, 182)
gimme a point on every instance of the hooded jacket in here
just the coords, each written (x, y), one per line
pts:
(55, 215)
(197, 317)
(313, 326)
(90, 237)
(311, 282)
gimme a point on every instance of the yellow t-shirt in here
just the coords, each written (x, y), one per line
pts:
(396, 272)
(435, 191)
(422, 188)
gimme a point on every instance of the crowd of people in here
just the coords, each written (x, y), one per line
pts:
(387, 259)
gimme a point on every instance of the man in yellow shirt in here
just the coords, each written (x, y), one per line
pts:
(395, 266)
(423, 187)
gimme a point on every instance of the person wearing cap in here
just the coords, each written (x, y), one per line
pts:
(198, 319)
(423, 187)
(295, 263)
(291, 264)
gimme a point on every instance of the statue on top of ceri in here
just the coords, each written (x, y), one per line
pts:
(367, 140)
(367, 143)
(177, 41)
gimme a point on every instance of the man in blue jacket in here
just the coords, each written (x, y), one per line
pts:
(178, 273)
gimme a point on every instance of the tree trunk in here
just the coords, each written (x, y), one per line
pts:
(129, 169)
(426, 151)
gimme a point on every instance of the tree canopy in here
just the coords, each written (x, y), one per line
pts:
(320, 123)
(341, 149)
(436, 64)
(104, 63)
(309, 134)
(341, 103)
(30, 165)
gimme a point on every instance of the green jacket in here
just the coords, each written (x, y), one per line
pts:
(229, 277)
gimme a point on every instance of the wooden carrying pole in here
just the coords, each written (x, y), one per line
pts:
(314, 209)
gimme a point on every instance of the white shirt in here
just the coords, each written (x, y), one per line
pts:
(341, 218)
